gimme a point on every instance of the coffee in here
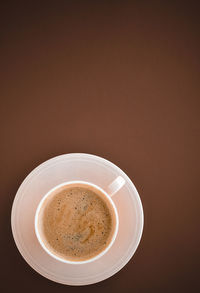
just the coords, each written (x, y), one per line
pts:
(76, 222)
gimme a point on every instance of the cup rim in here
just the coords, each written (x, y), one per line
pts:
(65, 260)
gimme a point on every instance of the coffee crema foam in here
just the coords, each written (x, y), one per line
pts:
(77, 223)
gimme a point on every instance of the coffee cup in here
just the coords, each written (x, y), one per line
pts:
(112, 189)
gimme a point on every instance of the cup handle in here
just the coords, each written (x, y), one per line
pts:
(116, 185)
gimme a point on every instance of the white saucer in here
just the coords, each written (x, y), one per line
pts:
(64, 168)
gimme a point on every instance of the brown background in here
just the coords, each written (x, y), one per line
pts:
(120, 80)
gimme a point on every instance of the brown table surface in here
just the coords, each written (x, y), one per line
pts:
(119, 79)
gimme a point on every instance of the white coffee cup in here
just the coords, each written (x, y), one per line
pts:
(113, 188)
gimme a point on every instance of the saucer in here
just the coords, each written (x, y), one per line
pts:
(68, 167)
